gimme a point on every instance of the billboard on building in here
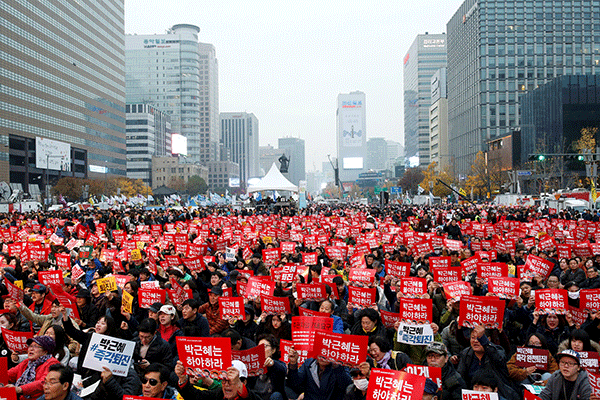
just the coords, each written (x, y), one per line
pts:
(52, 154)
(352, 163)
(179, 144)
(352, 123)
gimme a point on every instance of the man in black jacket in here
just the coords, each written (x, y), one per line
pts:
(150, 347)
(452, 383)
(191, 317)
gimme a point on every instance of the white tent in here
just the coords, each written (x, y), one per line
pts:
(273, 180)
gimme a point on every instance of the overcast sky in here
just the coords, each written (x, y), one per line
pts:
(287, 61)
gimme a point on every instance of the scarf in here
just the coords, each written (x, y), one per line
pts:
(28, 375)
(384, 361)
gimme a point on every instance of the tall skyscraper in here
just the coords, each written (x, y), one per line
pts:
(351, 135)
(239, 134)
(294, 151)
(62, 91)
(377, 154)
(179, 75)
(438, 121)
(500, 50)
(148, 135)
(426, 55)
(395, 152)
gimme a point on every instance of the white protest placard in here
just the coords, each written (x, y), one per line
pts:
(106, 351)
(473, 395)
(415, 334)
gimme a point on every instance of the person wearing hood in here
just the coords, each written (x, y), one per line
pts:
(570, 381)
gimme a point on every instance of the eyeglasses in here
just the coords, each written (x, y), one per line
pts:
(568, 363)
(152, 381)
(46, 383)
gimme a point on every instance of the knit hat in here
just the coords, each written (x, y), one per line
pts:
(430, 387)
(46, 342)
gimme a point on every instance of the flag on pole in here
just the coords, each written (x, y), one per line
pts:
(430, 198)
(462, 192)
(594, 194)
(420, 189)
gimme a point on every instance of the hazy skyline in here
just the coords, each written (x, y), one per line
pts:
(287, 62)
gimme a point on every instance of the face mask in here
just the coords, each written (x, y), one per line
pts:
(361, 384)
(573, 295)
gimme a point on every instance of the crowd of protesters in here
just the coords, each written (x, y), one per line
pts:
(470, 358)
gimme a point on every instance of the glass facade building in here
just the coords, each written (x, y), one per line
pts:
(294, 151)
(148, 135)
(554, 114)
(500, 50)
(178, 75)
(62, 77)
(426, 55)
(239, 134)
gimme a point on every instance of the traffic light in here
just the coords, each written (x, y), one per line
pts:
(541, 157)
(580, 157)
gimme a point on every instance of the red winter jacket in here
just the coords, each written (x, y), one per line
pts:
(34, 389)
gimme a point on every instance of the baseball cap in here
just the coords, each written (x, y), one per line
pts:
(155, 307)
(168, 309)
(241, 367)
(216, 290)
(430, 387)
(436, 347)
(39, 288)
(569, 353)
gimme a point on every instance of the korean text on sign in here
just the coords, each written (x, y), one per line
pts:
(348, 350)
(205, 356)
(106, 351)
(385, 384)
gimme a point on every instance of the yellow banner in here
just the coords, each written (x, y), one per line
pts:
(127, 302)
(107, 284)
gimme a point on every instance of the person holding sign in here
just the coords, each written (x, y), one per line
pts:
(555, 328)
(532, 374)
(211, 310)
(28, 376)
(316, 378)
(570, 381)
(233, 387)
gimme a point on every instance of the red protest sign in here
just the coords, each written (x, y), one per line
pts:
(271, 256)
(387, 384)
(416, 311)
(528, 357)
(413, 286)
(232, 307)
(470, 265)
(594, 383)
(16, 341)
(503, 287)
(486, 270)
(538, 265)
(303, 329)
(259, 286)
(275, 305)
(309, 258)
(347, 350)
(551, 301)
(455, 290)
(3, 371)
(480, 310)
(433, 373)
(254, 358)
(14, 291)
(288, 273)
(286, 345)
(66, 300)
(589, 299)
(389, 319)
(363, 297)
(313, 291)
(362, 275)
(8, 393)
(48, 277)
(590, 361)
(147, 297)
(447, 275)
(439, 262)
(205, 356)
(177, 294)
(397, 269)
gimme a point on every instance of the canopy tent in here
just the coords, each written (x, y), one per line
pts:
(273, 180)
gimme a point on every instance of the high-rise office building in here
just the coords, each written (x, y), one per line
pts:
(426, 55)
(294, 151)
(178, 75)
(351, 135)
(148, 135)
(239, 134)
(438, 122)
(500, 50)
(395, 151)
(377, 154)
(62, 91)
(267, 156)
